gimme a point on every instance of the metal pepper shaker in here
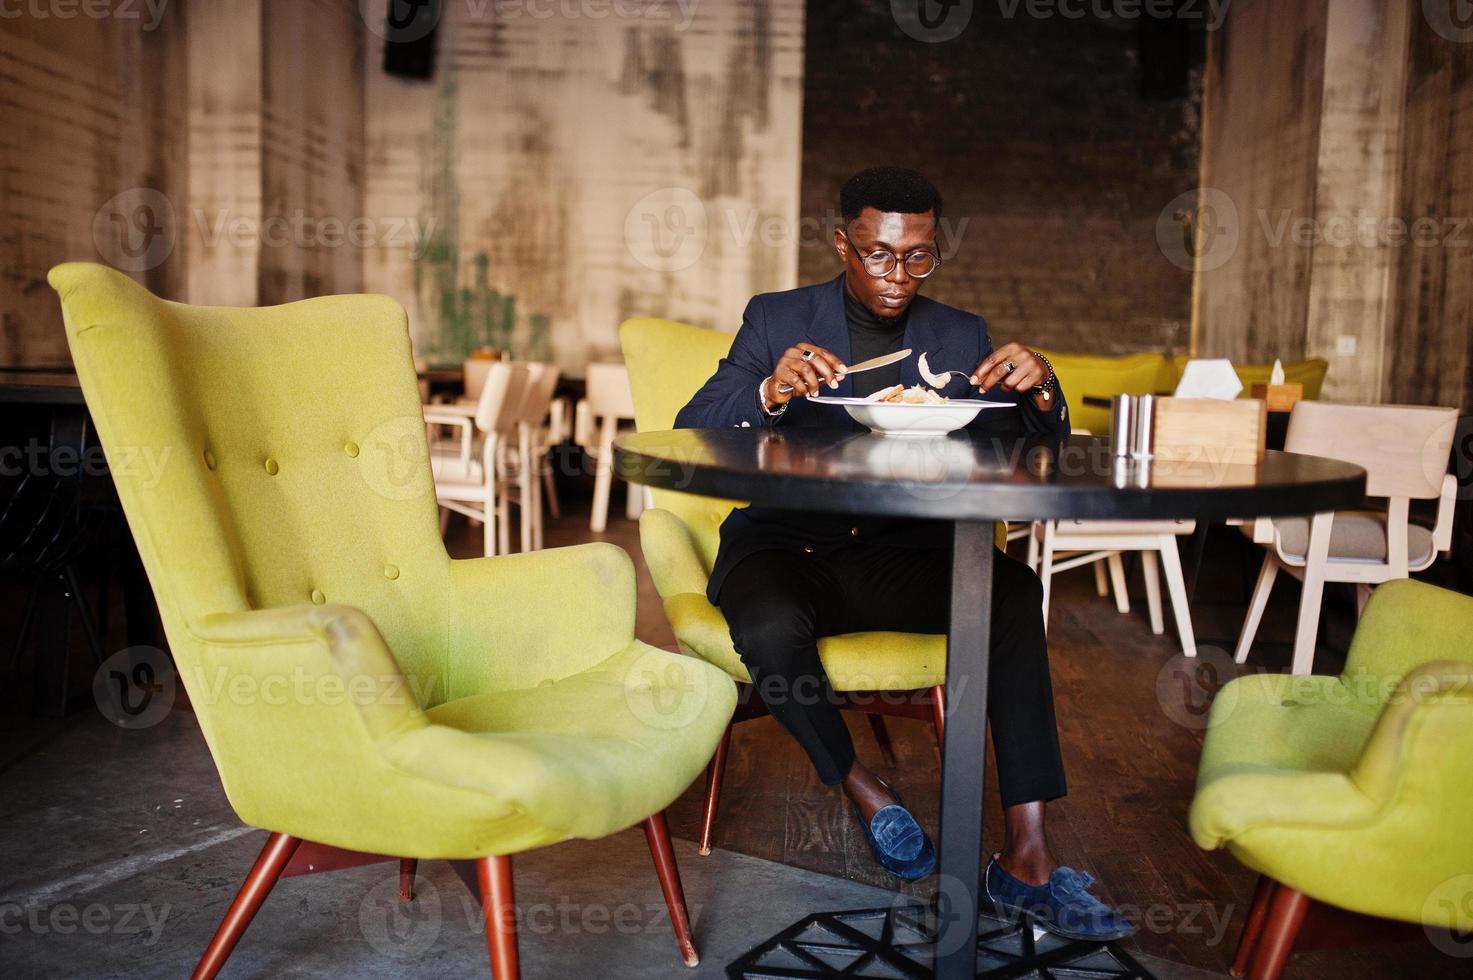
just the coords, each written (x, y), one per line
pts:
(1122, 424)
(1143, 425)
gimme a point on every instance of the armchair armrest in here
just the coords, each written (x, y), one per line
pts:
(299, 705)
(1424, 733)
(516, 621)
(1242, 784)
(300, 657)
(671, 554)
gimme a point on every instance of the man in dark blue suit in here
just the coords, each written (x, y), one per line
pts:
(785, 578)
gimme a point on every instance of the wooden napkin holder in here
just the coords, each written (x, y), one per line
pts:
(1279, 398)
(1210, 430)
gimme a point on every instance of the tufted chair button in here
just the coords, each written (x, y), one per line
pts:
(209, 459)
(317, 597)
(271, 466)
(351, 449)
(391, 572)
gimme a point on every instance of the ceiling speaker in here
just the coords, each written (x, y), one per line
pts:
(409, 37)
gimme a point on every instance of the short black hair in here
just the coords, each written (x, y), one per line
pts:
(889, 189)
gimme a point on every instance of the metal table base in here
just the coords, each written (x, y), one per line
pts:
(899, 941)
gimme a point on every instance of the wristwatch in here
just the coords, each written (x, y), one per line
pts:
(1049, 384)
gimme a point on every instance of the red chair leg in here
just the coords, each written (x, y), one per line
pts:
(273, 858)
(882, 736)
(938, 713)
(658, 834)
(407, 868)
(498, 911)
(1285, 916)
(1253, 928)
(714, 774)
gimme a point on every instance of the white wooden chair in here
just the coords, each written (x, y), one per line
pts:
(473, 377)
(1057, 546)
(606, 404)
(468, 471)
(1404, 450)
(528, 456)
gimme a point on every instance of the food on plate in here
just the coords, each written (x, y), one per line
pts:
(930, 377)
(914, 395)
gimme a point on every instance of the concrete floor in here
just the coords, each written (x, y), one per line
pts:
(121, 856)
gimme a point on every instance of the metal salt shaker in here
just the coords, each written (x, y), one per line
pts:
(1122, 420)
(1143, 424)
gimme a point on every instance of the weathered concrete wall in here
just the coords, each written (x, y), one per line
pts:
(276, 151)
(225, 119)
(212, 151)
(312, 164)
(1341, 133)
(92, 148)
(562, 173)
(1265, 93)
(1430, 359)
(1355, 194)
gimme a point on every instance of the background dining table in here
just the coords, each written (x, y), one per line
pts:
(971, 478)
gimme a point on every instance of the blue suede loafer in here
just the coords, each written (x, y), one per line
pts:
(1063, 906)
(899, 844)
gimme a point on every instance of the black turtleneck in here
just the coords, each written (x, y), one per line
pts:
(871, 336)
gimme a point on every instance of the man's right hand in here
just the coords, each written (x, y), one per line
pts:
(804, 373)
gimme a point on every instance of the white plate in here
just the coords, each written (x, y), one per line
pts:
(907, 419)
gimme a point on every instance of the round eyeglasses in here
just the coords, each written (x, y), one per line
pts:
(881, 262)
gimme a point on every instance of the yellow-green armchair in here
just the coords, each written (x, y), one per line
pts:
(357, 688)
(668, 362)
(1355, 791)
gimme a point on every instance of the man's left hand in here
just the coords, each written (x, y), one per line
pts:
(1013, 366)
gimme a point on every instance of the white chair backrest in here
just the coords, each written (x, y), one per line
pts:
(1404, 449)
(541, 383)
(608, 391)
(473, 375)
(500, 402)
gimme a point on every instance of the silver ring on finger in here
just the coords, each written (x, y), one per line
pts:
(1010, 366)
(809, 354)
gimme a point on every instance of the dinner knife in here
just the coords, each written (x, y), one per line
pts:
(869, 365)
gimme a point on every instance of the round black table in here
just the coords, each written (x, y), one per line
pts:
(972, 479)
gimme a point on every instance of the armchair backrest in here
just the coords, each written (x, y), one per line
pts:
(264, 457)
(668, 362)
(1408, 623)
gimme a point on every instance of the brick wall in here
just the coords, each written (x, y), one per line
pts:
(1039, 139)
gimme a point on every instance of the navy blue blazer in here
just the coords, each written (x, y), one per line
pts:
(952, 339)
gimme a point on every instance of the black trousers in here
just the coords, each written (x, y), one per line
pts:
(779, 603)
